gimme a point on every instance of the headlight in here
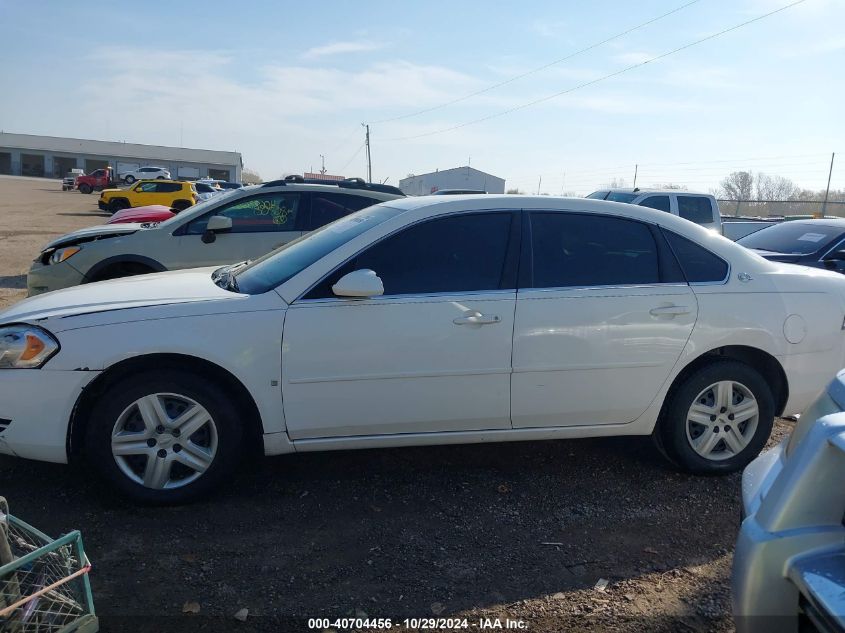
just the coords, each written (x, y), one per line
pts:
(25, 347)
(61, 254)
(822, 406)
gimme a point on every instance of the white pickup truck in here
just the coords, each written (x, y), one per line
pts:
(701, 208)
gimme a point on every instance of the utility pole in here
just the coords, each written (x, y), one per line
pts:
(539, 184)
(323, 162)
(563, 185)
(827, 191)
(369, 158)
(636, 167)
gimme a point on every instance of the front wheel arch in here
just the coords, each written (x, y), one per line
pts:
(253, 427)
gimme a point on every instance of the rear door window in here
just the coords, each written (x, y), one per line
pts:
(328, 207)
(695, 209)
(661, 203)
(580, 249)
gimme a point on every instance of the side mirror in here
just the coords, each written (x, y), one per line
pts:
(359, 283)
(216, 224)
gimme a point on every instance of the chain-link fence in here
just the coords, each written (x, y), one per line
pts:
(782, 208)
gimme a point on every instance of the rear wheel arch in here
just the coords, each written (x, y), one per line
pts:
(767, 365)
(112, 376)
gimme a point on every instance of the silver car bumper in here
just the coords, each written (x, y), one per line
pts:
(794, 508)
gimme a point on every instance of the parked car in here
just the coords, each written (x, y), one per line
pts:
(145, 173)
(224, 184)
(817, 243)
(735, 228)
(69, 181)
(171, 193)
(700, 208)
(789, 564)
(420, 321)
(205, 190)
(233, 226)
(97, 180)
(151, 213)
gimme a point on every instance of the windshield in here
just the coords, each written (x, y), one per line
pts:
(621, 196)
(198, 208)
(598, 195)
(277, 266)
(792, 238)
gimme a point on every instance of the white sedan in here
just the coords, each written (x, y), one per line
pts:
(145, 173)
(430, 320)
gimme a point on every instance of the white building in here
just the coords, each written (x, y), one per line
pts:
(456, 178)
(54, 157)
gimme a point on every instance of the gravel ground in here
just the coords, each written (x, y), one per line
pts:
(522, 531)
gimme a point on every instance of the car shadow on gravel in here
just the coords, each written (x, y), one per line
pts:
(13, 282)
(391, 532)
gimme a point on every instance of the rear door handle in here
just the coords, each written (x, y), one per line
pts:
(669, 311)
(476, 318)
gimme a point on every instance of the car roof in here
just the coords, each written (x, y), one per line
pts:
(838, 223)
(639, 190)
(298, 186)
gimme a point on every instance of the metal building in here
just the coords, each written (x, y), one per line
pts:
(456, 178)
(54, 157)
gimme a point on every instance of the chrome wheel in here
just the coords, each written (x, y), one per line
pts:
(164, 441)
(722, 420)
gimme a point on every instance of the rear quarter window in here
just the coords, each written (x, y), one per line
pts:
(695, 209)
(698, 264)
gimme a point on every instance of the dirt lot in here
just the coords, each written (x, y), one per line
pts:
(521, 530)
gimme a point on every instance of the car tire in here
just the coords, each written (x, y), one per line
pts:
(85, 188)
(129, 179)
(180, 205)
(160, 178)
(118, 204)
(717, 420)
(163, 466)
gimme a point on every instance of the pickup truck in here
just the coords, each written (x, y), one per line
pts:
(69, 181)
(700, 208)
(97, 180)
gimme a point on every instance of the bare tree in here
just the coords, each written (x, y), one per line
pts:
(671, 185)
(615, 183)
(775, 188)
(515, 191)
(739, 185)
(250, 176)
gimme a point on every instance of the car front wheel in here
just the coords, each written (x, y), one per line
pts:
(718, 419)
(164, 437)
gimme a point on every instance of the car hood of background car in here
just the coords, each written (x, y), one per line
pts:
(151, 213)
(143, 291)
(93, 233)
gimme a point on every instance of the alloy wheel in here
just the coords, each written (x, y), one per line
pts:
(722, 420)
(164, 441)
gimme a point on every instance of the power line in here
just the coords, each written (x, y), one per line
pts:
(358, 151)
(597, 80)
(535, 70)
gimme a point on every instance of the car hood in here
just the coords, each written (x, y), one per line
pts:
(152, 213)
(93, 233)
(177, 287)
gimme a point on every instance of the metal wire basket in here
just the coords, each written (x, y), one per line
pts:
(44, 585)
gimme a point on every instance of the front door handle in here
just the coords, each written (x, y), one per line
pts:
(669, 311)
(476, 318)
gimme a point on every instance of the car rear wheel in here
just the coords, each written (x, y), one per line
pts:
(164, 437)
(718, 419)
(85, 188)
(180, 205)
(118, 204)
(129, 179)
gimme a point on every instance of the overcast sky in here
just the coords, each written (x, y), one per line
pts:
(283, 82)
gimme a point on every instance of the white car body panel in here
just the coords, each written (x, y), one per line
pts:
(393, 371)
